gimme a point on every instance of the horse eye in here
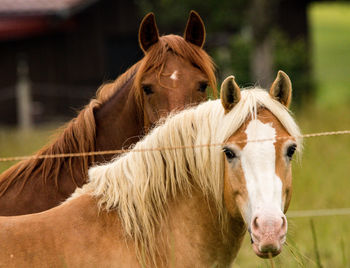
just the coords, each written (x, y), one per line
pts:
(203, 86)
(147, 89)
(290, 151)
(229, 154)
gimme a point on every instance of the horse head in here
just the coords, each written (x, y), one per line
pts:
(175, 71)
(258, 176)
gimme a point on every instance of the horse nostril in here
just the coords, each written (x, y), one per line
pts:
(255, 223)
(283, 222)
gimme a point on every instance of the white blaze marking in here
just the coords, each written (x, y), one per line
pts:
(174, 75)
(258, 163)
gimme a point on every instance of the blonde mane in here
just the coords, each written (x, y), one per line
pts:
(139, 185)
(79, 134)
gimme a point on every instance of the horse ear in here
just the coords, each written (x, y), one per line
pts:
(195, 29)
(230, 93)
(148, 32)
(281, 89)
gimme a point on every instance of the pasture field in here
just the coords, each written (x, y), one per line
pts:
(15, 143)
(321, 177)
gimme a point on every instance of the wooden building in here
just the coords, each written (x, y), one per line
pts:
(70, 48)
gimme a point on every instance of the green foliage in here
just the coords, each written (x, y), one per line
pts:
(241, 49)
(293, 58)
(234, 60)
(289, 56)
(218, 15)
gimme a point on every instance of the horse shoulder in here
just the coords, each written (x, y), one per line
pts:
(73, 234)
(97, 234)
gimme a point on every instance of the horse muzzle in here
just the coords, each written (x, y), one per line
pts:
(268, 234)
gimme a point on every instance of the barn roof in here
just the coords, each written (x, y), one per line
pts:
(24, 18)
(41, 7)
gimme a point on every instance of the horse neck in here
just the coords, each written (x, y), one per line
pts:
(21, 186)
(194, 235)
(119, 122)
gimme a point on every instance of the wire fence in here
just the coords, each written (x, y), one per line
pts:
(290, 214)
(120, 151)
(318, 213)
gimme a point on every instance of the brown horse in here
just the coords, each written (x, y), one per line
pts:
(173, 74)
(184, 207)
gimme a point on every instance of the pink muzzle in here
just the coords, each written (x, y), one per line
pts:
(268, 233)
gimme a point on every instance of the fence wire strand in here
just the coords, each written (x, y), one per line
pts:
(318, 213)
(121, 151)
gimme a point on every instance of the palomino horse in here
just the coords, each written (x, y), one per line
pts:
(189, 206)
(173, 74)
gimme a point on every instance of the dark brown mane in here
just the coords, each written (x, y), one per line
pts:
(78, 135)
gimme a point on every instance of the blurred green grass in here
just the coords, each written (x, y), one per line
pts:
(21, 143)
(321, 177)
(330, 35)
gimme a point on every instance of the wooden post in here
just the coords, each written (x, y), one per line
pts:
(23, 96)
(262, 19)
(262, 63)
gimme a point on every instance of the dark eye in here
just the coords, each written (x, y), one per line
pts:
(203, 86)
(229, 154)
(291, 150)
(147, 89)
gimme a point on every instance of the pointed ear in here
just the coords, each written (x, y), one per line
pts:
(230, 93)
(148, 32)
(281, 89)
(195, 30)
